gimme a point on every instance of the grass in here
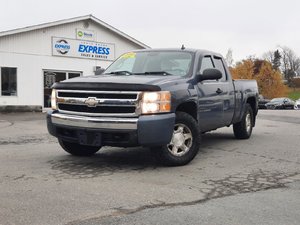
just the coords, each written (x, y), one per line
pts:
(294, 93)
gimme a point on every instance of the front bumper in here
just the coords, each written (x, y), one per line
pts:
(147, 130)
(94, 122)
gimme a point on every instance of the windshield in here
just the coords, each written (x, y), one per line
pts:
(277, 100)
(152, 63)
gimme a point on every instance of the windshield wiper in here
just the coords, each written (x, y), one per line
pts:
(125, 72)
(164, 73)
(122, 72)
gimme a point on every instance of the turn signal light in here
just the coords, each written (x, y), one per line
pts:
(53, 100)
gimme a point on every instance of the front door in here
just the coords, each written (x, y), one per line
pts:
(210, 101)
(51, 77)
(227, 94)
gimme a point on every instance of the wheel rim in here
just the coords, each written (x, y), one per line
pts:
(248, 123)
(182, 140)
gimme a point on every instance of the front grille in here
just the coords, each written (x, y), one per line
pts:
(97, 95)
(98, 103)
(98, 109)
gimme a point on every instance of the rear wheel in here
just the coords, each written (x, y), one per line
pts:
(78, 149)
(184, 144)
(243, 129)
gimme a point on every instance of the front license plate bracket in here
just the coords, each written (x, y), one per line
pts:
(89, 138)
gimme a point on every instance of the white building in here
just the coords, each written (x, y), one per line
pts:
(33, 58)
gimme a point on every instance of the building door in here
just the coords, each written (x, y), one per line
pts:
(51, 77)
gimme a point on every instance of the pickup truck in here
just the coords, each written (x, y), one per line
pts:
(164, 99)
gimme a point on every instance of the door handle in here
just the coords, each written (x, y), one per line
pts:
(219, 91)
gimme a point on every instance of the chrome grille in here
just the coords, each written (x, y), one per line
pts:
(98, 103)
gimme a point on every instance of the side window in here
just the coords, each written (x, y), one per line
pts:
(220, 66)
(8, 81)
(206, 64)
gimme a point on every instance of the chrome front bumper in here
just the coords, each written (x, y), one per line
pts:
(93, 122)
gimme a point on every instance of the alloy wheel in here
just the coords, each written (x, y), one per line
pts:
(182, 140)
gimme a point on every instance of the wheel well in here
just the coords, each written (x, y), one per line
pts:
(252, 103)
(188, 107)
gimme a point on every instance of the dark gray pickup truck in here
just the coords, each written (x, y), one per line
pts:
(159, 98)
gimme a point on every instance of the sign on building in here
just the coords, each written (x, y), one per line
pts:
(66, 47)
(82, 34)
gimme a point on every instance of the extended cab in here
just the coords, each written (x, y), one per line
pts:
(159, 98)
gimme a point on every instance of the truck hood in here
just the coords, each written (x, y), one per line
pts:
(120, 82)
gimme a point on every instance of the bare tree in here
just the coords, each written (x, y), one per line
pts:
(298, 72)
(268, 56)
(290, 63)
(273, 57)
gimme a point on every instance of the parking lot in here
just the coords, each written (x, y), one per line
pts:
(255, 181)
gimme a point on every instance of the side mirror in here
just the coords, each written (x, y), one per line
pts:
(99, 71)
(210, 74)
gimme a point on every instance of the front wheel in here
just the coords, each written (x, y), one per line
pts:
(243, 129)
(184, 144)
(78, 149)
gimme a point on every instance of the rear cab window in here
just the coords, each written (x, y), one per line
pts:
(220, 66)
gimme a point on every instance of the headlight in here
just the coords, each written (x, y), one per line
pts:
(53, 100)
(156, 102)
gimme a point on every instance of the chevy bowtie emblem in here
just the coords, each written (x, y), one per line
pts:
(91, 102)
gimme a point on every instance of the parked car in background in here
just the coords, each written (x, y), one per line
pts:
(297, 104)
(262, 101)
(280, 103)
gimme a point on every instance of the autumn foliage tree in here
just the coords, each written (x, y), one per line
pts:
(269, 80)
(243, 70)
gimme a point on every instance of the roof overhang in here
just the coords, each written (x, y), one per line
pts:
(71, 20)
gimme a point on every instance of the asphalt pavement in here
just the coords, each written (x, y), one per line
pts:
(255, 181)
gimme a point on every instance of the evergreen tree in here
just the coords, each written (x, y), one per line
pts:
(276, 62)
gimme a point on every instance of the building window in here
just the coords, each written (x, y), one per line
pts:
(8, 77)
(52, 76)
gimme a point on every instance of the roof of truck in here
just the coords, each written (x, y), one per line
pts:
(194, 50)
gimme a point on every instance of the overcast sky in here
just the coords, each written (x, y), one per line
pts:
(248, 27)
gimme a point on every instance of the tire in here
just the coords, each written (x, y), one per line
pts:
(77, 149)
(185, 142)
(243, 129)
